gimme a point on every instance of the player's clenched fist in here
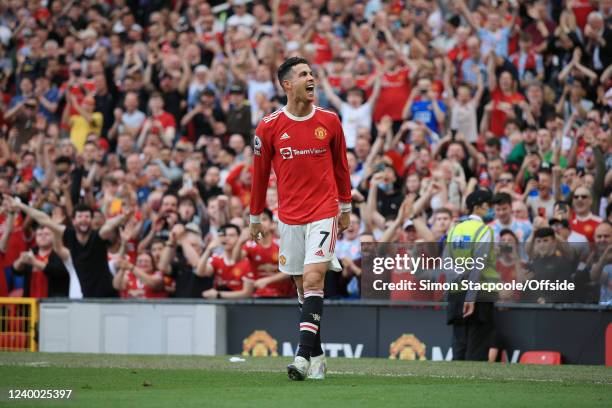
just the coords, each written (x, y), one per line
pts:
(256, 231)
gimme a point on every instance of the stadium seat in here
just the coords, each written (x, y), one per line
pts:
(541, 357)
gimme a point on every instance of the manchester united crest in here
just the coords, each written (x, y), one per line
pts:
(407, 347)
(259, 344)
(320, 133)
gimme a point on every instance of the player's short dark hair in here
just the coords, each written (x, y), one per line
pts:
(225, 227)
(502, 198)
(285, 68)
(82, 207)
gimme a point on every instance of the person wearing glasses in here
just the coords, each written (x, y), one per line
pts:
(505, 183)
(583, 220)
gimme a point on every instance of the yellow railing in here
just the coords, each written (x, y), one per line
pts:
(18, 324)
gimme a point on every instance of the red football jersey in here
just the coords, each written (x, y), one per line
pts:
(309, 159)
(238, 188)
(16, 243)
(3, 285)
(136, 289)
(324, 52)
(259, 255)
(394, 93)
(586, 226)
(39, 284)
(166, 120)
(228, 275)
(498, 116)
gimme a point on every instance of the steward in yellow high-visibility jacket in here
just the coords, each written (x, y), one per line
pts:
(470, 311)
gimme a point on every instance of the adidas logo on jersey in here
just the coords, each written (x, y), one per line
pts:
(319, 252)
(284, 137)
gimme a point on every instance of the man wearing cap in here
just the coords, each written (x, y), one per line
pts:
(239, 113)
(551, 259)
(471, 312)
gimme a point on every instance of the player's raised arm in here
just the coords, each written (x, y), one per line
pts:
(262, 162)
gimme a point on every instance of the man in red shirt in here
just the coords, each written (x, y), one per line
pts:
(504, 98)
(239, 180)
(32, 264)
(584, 221)
(160, 122)
(395, 88)
(263, 259)
(231, 280)
(306, 146)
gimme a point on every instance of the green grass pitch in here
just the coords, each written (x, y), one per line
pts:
(189, 381)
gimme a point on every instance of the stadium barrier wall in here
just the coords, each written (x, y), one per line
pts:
(418, 331)
(132, 328)
(411, 331)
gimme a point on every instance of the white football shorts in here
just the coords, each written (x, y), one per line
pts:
(305, 244)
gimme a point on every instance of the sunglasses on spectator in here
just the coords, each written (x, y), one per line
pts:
(505, 180)
(583, 197)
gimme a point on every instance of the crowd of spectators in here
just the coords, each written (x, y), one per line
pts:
(125, 133)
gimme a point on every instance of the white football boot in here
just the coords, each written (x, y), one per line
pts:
(298, 370)
(318, 367)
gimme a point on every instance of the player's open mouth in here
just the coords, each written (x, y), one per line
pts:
(310, 88)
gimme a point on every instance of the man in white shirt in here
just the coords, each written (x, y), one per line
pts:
(356, 113)
(132, 119)
(240, 16)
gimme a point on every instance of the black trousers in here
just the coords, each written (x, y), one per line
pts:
(472, 337)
